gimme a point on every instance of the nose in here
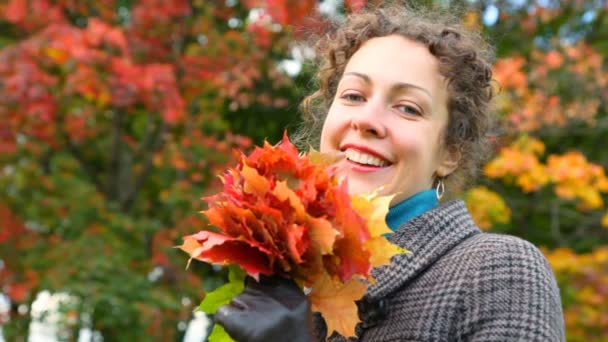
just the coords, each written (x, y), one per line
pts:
(369, 121)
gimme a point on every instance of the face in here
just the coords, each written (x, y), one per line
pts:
(388, 118)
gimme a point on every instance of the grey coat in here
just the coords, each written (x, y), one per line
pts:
(459, 284)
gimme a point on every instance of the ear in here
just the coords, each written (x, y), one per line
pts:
(449, 162)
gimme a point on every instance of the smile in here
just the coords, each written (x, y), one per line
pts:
(363, 158)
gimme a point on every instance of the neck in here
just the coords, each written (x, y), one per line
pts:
(411, 207)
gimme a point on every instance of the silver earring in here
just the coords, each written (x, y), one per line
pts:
(440, 189)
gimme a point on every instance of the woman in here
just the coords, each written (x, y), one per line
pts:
(406, 98)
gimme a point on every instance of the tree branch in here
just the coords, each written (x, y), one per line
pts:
(149, 146)
(555, 225)
(113, 181)
(76, 153)
(89, 171)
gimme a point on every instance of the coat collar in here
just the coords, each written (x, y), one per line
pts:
(427, 237)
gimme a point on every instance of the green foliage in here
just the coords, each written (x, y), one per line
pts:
(218, 334)
(115, 118)
(224, 294)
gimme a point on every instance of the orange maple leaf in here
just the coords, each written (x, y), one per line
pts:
(322, 234)
(336, 303)
(284, 193)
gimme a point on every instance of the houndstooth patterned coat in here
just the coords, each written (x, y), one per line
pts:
(459, 284)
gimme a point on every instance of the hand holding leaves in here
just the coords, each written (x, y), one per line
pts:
(273, 309)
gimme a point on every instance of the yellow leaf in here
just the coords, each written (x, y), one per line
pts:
(382, 250)
(373, 210)
(318, 158)
(336, 303)
(377, 220)
(254, 183)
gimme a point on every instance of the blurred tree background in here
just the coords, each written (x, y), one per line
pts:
(117, 115)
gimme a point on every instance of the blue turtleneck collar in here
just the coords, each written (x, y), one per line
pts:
(410, 208)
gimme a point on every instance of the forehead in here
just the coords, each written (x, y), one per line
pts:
(397, 59)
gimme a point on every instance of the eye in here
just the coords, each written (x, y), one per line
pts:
(408, 109)
(353, 97)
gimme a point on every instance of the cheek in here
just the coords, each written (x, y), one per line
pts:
(433, 156)
(418, 149)
(329, 132)
(324, 143)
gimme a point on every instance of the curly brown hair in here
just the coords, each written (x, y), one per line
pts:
(465, 60)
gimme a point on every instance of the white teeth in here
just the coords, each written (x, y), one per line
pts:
(364, 158)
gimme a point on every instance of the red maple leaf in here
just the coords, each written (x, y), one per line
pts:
(223, 250)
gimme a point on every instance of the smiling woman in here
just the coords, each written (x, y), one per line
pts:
(404, 95)
(388, 115)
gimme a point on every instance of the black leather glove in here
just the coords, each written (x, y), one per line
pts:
(273, 310)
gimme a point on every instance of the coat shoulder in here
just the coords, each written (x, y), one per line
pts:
(495, 252)
(510, 283)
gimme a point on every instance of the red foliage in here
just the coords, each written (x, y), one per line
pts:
(150, 14)
(11, 225)
(15, 11)
(32, 15)
(14, 235)
(7, 140)
(33, 89)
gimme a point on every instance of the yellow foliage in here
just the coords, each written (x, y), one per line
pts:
(529, 98)
(534, 179)
(487, 207)
(531, 145)
(471, 20)
(519, 161)
(576, 178)
(571, 174)
(605, 220)
(564, 259)
(583, 282)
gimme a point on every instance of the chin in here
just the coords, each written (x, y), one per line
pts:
(357, 189)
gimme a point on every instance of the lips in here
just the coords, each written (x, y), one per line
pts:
(364, 156)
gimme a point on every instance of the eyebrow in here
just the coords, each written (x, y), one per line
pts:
(398, 86)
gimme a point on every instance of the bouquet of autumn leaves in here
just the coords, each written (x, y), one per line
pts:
(284, 213)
